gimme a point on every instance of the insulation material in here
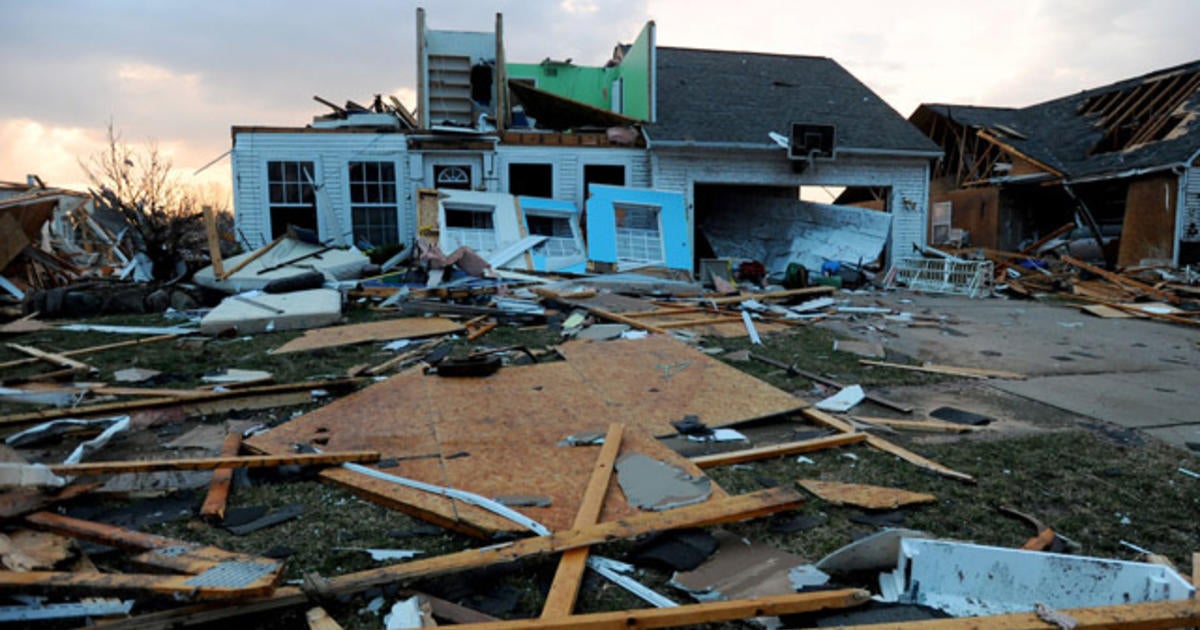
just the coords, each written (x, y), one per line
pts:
(633, 227)
(255, 312)
(969, 580)
(800, 231)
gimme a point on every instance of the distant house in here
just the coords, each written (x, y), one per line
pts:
(732, 133)
(1121, 160)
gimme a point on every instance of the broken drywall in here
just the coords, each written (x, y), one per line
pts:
(798, 231)
(650, 484)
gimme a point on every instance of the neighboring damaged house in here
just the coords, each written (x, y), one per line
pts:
(669, 139)
(1122, 161)
(51, 237)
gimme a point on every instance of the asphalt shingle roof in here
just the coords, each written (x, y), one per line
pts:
(721, 97)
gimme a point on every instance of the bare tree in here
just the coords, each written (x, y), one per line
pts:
(164, 216)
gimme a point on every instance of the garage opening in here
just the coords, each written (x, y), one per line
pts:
(780, 226)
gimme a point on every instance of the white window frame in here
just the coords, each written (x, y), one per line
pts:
(480, 239)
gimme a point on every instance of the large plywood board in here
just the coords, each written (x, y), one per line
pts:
(658, 379)
(387, 330)
(500, 435)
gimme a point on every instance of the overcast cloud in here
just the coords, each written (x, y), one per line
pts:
(182, 72)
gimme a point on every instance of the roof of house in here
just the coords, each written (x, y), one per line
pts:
(1087, 134)
(723, 97)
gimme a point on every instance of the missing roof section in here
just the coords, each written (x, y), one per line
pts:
(1146, 112)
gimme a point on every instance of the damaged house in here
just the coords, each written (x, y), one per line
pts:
(1121, 161)
(662, 157)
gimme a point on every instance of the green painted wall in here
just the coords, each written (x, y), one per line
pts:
(591, 85)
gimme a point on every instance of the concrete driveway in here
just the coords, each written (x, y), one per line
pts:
(1137, 373)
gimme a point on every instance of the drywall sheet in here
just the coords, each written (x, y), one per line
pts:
(607, 205)
(255, 312)
(798, 231)
(493, 436)
(284, 260)
(562, 252)
(386, 330)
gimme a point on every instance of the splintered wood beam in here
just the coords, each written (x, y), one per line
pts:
(948, 370)
(249, 259)
(1121, 281)
(92, 349)
(215, 463)
(691, 614)
(52, 358)
(778, 450)
(876, 442)
(214, 240)
(209, 402)
(1146, 616)
(712, 512)
(213, 508)
(629, 321)
(560, 601)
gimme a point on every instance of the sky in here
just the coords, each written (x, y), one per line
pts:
(177, 74)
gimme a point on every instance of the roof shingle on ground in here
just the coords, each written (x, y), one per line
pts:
(724, 97)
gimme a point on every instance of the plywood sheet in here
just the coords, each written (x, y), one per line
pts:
(387, 330)
(659, 379)
(863, 496)
(499, 435)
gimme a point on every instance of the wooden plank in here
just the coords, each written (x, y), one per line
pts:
(249, 259)
(94, 584)
(690, 614)
(214, 240)
(1147, 616)
(629, 321)
(210, 402)
(773, 295)
(318, 619)
(1196, 570)
(1121, 281)
(864, 496)
(919, 425)
(386, 330)
(817, 378)
(778, 450)
(741, 507)
(560, 600)
(948, 370)
(213, 508)
(829, 420)
(52, 358)
(92, 349)
(215, 463)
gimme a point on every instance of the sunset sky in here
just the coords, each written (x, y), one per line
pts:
(180, 73)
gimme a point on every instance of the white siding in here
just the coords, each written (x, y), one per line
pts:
(330, 153)
(908, 179)
(568, 162)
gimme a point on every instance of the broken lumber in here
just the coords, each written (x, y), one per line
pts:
(817, 378)
(1121, 281)
(778, 450)
(213, 508)
(949, 370)
(209, 402)
(712, 512)
(918, 425)
(822, 418)
(774, 295)
(690, 614)
(91, 349)
(214, 240)
(52, 358)
(214, 463)
(560, 601)
(629, 321)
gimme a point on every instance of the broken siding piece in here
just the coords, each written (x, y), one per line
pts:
(213, 508)
(864, 496)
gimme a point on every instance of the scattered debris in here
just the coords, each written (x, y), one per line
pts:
(863, 496)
